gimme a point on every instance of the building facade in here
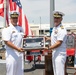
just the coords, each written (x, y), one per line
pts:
(43, 29)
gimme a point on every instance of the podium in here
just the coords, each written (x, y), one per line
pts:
(48, 64)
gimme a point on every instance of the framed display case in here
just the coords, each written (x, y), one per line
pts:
(32, 43)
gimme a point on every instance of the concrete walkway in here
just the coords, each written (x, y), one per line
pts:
(29, 69)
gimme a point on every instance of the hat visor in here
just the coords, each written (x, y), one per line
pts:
(13, 16)
(57, 16)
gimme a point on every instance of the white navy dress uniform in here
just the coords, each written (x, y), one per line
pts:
(59, 53)
(14, 59)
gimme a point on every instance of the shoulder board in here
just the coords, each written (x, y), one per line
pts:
(61, 27)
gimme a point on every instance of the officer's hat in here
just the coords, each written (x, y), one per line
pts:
(14, 14)
(58, 14)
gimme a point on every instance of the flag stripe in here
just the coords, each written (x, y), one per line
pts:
(14, 6)
(1, 7)
(11, 5)
(20, 18)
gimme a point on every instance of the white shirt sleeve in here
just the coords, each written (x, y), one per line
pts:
(61, 35)
(5, 34)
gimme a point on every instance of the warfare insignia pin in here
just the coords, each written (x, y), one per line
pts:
(56, 31)
(13, 31)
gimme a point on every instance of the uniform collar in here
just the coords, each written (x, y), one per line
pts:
(12, 26)
(58, 26)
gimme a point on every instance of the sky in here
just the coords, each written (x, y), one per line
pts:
(38, 11)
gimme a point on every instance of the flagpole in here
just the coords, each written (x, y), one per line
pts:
(51, 15)
(40, 25)
(4, 13)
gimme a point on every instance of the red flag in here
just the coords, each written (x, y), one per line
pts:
(15, 5)
(1, 8)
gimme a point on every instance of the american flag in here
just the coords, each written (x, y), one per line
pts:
(15, 5)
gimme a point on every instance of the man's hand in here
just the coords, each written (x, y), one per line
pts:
(47, 38)
(46, 48)
(49, 51)
(21, 50)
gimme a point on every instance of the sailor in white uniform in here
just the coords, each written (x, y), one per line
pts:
(58, 44)
(12, 36)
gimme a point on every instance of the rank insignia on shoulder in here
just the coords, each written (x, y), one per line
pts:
(62, 27)
(13, 31)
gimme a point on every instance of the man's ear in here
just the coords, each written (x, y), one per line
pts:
(61, 18)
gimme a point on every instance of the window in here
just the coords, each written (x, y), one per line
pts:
(41, 31)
